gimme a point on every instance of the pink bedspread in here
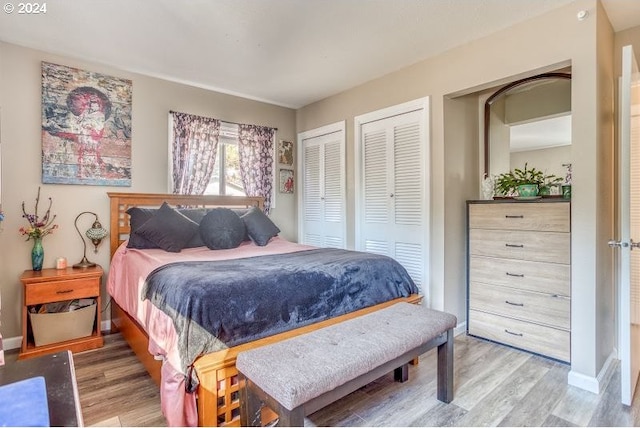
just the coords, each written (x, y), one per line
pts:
(127, 273)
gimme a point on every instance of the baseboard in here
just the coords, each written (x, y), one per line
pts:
(460, 329)
(607, 368)
(9, 343)
(590, 383)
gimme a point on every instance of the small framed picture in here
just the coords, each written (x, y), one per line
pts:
(286, 181)
(285, 153)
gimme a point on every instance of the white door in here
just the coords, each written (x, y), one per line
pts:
(323, 209)
(629, 260)
(392, 201)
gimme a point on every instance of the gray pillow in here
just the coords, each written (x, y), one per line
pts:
(260, 227)
(221, 229)
(139, 216)
(168, 229)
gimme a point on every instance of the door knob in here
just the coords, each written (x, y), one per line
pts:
(634, 244)
(618, 244)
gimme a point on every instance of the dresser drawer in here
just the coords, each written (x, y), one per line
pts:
(56, 291)
(552, 278)
(548, 217)
(542, 340)
(547, 309)
(553, 247)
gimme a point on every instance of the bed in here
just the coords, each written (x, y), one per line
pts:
(217, 391)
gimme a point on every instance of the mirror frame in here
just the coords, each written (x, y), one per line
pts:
(498, 93)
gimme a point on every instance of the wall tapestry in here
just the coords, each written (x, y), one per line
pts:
(86, 127)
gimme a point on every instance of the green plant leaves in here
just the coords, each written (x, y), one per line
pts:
(508, 182)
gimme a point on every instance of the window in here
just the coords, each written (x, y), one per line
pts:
(226, 178)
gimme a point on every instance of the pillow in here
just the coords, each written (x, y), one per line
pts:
(195, 214)
(241, 212)
(138, 216)
(222, 229)
(168, 229)
(260, 227)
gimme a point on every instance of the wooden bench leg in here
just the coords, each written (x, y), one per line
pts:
(445, 369)
(291, 418)
(401, 374)
(250, 404)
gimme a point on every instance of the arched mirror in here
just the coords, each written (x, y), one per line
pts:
(529, 121)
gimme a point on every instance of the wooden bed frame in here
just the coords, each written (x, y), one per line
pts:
(218, 391)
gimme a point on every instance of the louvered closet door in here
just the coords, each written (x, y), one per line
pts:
(393, 202)
(324, 191)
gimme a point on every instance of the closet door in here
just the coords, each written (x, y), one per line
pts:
(392, 199)
(323, 213)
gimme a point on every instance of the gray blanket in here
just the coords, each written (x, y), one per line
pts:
(219, 304)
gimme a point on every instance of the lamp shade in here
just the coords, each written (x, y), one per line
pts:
(97, 233)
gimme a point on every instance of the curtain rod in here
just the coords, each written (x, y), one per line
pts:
(222, 120)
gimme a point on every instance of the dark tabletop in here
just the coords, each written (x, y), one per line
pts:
(58, 372)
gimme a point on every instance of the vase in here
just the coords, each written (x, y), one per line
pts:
(37, 254)
(544, 191)
(528, 190)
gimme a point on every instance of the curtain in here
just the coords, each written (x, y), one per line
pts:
(194, 150)
(255, 149)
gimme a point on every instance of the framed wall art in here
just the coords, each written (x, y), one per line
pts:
(286, 181)
(285, 152)
(86, 127)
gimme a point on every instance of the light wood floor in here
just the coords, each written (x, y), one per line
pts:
(494, 386)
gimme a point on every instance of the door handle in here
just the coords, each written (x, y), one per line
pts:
(618, 244)
(634, 244)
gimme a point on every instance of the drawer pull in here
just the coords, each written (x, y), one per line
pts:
(513, 216)
(512, 333)
(64, 291)
(518, 275)
(514, 245)
(514, 304)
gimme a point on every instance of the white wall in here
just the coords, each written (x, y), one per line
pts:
(549, 160)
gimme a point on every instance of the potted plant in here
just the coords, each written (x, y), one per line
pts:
(548, 182)
(525, 183)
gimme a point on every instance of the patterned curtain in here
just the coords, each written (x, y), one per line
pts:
(194, 147)
(255, 149)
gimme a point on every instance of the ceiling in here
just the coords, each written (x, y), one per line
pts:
(285, 52)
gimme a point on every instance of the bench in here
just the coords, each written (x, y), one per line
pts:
(299, 376)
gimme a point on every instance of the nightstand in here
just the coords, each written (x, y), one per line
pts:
(56, 285)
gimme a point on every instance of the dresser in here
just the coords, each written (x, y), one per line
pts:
(519, 275)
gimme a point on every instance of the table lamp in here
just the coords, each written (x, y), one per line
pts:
(96, 234)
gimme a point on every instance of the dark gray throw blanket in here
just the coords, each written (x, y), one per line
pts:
(220, 304)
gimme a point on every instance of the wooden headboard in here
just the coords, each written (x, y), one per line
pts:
(121, 202)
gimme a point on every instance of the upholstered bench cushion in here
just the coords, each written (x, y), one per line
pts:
(297, 370)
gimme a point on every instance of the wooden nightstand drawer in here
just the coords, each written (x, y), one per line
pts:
(61, 290)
